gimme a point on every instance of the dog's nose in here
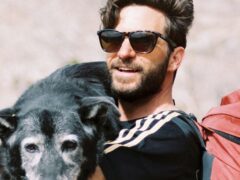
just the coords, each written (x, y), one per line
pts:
(51, 166)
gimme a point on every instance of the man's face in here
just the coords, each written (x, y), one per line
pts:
(135, 75)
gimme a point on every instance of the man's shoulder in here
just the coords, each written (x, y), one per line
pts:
(156, 126)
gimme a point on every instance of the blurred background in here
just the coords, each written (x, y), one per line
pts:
(37, 37)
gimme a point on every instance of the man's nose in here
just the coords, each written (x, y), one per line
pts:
(126, 51)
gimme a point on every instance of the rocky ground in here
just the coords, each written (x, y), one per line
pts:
(36, 37)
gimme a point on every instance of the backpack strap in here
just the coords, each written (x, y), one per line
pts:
(189, 124)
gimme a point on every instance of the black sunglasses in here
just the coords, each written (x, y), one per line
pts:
(141, 41)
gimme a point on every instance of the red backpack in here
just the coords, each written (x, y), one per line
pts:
(221, 133)
(219, 138)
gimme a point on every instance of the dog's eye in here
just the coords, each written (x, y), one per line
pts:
(69, 145)
(31, 148)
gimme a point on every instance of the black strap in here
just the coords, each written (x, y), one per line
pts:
(227, 136)
(188, 125)
(189, 121)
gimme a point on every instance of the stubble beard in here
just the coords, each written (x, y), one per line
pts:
(150, 83)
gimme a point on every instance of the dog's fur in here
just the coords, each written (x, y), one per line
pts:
(56, 129)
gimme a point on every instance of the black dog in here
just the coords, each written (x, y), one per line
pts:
(57, 128)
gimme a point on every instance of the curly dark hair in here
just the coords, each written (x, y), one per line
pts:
(179, 15)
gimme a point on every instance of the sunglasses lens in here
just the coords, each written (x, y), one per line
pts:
(143, 42)
(111, 41)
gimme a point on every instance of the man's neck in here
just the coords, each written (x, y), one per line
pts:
(146, 106)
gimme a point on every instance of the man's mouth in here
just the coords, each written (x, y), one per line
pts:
(127, 70)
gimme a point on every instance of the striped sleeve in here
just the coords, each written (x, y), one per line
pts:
(142, 129)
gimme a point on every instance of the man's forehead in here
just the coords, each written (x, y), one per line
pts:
(139, 17)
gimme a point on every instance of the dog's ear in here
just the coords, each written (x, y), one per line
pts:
(8, 122)
(97, 108)
(102, 112)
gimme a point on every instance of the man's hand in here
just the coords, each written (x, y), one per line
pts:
(97, 175)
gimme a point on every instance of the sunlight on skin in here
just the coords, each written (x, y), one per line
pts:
(98, 175)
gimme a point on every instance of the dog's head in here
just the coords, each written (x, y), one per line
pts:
(53, 141)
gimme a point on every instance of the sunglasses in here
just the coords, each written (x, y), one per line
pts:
(141, 41)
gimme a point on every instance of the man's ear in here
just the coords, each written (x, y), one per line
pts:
(176, 58)
(102, 112)
(8, 122)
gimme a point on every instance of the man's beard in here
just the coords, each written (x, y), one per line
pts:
(151, 83)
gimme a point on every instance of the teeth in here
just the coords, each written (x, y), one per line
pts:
(126, 69)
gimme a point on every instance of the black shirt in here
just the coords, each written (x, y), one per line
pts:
(152, 148)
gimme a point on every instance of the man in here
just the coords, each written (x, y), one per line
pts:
(145, 42)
